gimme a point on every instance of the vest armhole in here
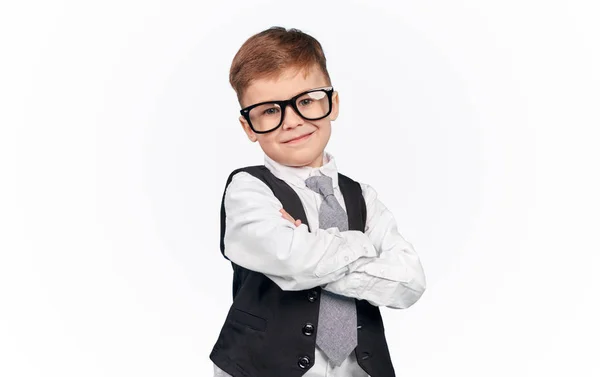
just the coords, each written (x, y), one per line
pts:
(249, 169)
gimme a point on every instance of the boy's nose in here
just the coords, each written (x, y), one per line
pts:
(291, 119)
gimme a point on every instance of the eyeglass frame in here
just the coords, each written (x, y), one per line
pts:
(245, 112)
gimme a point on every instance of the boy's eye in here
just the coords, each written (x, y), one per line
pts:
(305, 102)
(271, 111)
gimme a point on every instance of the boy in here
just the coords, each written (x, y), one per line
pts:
(314, 252)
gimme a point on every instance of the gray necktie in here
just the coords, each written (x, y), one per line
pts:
(336, 331)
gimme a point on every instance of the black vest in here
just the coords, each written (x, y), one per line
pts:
(269, 332)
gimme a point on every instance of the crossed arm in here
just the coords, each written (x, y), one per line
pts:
(377, 265)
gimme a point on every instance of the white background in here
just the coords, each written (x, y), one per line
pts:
(476, 122)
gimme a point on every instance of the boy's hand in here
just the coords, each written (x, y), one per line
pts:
(288, 217)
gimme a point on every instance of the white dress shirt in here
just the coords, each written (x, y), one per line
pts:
(378, 265)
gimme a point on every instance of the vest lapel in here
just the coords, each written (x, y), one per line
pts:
(355, 204)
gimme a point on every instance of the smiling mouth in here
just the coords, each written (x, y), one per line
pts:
(299, 139)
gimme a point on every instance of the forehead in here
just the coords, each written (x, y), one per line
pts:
(290, 82)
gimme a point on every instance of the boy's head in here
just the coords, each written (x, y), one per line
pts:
(272, 67)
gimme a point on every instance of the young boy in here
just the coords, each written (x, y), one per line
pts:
(314, 253)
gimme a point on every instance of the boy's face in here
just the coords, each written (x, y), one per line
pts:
(279, 144)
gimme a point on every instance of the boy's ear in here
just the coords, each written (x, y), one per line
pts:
(335, 105)
(251, 135)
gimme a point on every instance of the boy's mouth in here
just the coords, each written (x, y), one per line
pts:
(299, 138)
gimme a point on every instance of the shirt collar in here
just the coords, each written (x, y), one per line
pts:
(297, 175)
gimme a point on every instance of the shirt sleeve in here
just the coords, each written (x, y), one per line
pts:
(395, 278)
(258, 238)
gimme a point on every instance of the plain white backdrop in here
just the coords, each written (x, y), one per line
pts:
(476, 122)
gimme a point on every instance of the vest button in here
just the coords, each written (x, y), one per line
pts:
(308, 329)
(312, 296)
(303, 362)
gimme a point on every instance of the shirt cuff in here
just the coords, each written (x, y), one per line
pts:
(389, 271)
(351, 245)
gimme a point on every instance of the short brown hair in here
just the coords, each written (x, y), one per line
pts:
(268, 53)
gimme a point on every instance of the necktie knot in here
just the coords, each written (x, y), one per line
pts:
(321, 184)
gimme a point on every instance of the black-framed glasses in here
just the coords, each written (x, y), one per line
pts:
(267, 116)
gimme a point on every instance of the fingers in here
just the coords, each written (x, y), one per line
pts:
(290, 218)
(286, 215)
